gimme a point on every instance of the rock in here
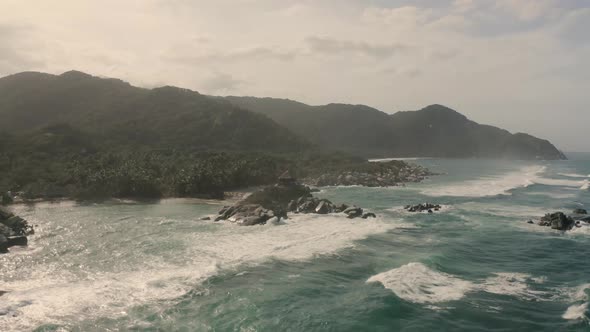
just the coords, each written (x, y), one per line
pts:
(323, 208)
(3, 292)
(18, 225)
(206, 218)
(292, 206)
(6, 231)
(430, 208)
(353, 212)
(274, 221)
(17, 241)
(6, 198)
(530, 222)
(557, 220)
(580, 211)
(251, 221)
(369, 215)
(3, 244)
(5, 213)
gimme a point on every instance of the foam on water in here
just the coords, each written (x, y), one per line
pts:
(580, 296)
(52, 295)
(574, 175)
(415, 282)
(490, 186)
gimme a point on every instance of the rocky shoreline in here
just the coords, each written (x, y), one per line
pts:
(13, 230)
(380, 174)
(273, 204)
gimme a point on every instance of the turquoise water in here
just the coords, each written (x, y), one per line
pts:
(475, 266)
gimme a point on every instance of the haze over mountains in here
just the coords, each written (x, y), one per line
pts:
(110, 111)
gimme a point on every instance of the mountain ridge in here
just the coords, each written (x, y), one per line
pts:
(170, 116)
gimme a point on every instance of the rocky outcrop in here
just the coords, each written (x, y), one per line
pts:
(580, 211)
(385, 175)
(422, 207)
(271, 204)
(13, 230)
(561, 221)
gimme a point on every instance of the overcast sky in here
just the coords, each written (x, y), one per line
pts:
(519, 64)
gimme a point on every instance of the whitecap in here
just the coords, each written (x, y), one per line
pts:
(576, 311)
(54, 295)
(574, 175)
(415, 282)
(490, 186)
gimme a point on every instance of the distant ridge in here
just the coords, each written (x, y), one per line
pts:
(111, 112)
(434, 131)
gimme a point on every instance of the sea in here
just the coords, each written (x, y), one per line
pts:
(476, 265)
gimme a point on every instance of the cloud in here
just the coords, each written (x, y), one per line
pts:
(402, 17)
(575, 27)
(195, 57)
(326, 45)
(221, 83)
(16, 50)
(526, 10)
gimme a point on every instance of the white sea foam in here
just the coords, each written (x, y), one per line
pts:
(574, 175)
(576, 311)
(415, 282)
(579, 297)
(52, 295)
(504, 184)
(490, 186)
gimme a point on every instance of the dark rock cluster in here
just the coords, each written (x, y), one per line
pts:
(13, 230)
(561, 221)
(382, 177)
(430, 208)
(271, 204)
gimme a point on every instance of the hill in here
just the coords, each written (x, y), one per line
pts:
(434, 131)
(114, 113)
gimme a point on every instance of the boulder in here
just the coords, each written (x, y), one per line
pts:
(430, 208)
(5, 213)
(251, 221)
(353, 212)
(3, 244)
(580, 211)
(206, 218)
(17, 241)
(18, 225)
(369, 215)
(323, 207)
(557, 220)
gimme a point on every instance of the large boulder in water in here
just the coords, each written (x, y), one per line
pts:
(580, 211)
(557, 220)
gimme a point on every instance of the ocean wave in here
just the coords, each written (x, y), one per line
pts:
(415, 282)
(574, 175)
(580, 296)
(53, 295)
(490, 186)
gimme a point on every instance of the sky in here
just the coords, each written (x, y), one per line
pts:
(523, 65)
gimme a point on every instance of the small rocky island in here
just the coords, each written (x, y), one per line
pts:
(423, 207)
(561, 221)
(273, 203)
(13, 230)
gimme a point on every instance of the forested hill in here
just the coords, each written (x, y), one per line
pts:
(435, 131)
(112, 113)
